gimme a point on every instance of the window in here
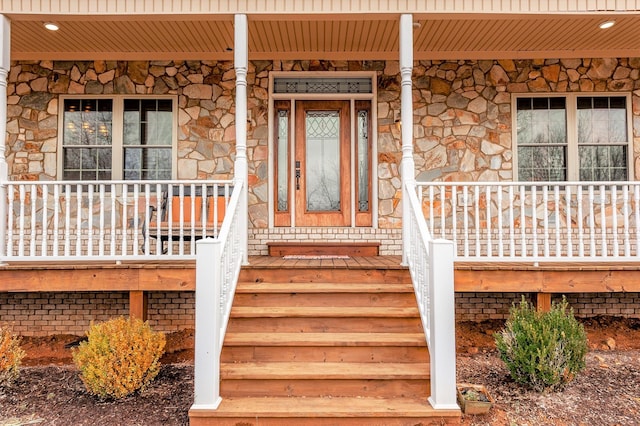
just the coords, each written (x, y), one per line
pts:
(117, 138)
(572, 138)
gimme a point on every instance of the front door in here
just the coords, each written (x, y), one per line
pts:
(322, 193)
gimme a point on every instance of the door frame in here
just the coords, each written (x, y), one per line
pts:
(352, 97)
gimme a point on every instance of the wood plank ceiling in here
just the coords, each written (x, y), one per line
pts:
(369, 37)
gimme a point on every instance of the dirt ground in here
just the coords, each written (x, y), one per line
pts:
(49, 391)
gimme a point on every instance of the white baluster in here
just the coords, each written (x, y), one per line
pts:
(614, 220)
(603, 222)
(592, 223)
(56, 218)
(499, 190)
(45, 220)
(625, 214)
(569, 216)
(465, 212)
(534, 219)
(580, 223)
(488, 219)
(21, 222)
(102, 229)
(545, 219)
(67, 221)
(34, 226)
(512, 231)
(114, 226)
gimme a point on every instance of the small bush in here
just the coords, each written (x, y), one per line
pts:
(11, 355)
(542, 350)
(119, 357)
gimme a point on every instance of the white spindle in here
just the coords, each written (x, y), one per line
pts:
(523, 222)
(614, 219)
(181, 225)
(67, 220)
(125, 218)
(443, 201)
(569, 216)
(56, 218)
(114, 225)
(45, 220)
(207, 205)
(465, 212)
(102, 228)
(534, 220)
(432, 218)
(169, 212)
(90, 218)
(636, 211)
(147, 222)
(545, 219)
(476, 207)
(625, 214)
(603, 222)
(454, 216)
(78, 220)
(34, 227)
(580, 223)
(556, 204)
(499, 190)
(487, 203)
(192, 220)
(159, 216)
(592, 223)
(512, 231)
(136, 218)
(21, 222)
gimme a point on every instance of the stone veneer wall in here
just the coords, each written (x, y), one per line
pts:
(48, 313)
(462, 114)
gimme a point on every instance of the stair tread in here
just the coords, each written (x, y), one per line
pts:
(316, 407)
(326, 287)
(321, 311)
(324, 370)
(325, 339)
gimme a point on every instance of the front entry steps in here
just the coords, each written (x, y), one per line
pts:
(324, 346)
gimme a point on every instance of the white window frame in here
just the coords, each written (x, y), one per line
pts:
(573, 165)
(117, 141)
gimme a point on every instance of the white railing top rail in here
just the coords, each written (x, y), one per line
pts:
(535, 221)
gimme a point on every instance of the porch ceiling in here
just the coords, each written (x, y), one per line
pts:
(339, 37)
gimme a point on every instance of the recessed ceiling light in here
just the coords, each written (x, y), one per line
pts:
(51, 26)
(607, 24)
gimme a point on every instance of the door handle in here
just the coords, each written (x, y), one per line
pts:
(297, 175)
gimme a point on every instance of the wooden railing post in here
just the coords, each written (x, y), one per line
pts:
(442, 323)
(207, 339)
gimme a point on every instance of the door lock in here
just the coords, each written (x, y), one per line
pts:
(297, 175)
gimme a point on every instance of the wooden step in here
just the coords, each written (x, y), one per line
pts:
(387, 275)
(359, 411)
(325, 339)
(280, 249)
(335, 300)
(337, 388)
(325, 311)
(324, 370)
(308, 353)
(325, 325)
(322, 287)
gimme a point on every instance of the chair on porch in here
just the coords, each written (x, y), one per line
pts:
(201, 216)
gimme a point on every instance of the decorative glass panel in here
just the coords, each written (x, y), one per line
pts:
(542, 139)
(363, 161)
(602, 138)
(323, 85)
(283, 160)
(322, 160)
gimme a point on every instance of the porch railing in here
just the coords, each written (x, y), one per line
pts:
(218, 264)
(111, 220)
(559, 222)
(431, 265)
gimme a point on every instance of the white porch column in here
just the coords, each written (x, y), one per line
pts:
(5, 64)
(241, 64)
(406, 117)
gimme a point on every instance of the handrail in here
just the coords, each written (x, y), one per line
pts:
(111, 220)
(218, 263)
(535, 221)
(431, 265)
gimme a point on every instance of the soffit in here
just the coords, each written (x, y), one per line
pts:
(341, 37)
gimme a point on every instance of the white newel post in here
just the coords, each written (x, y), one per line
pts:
(5, 65)
(241, 64)
(208, 321)
(442, 348)
(406, 117)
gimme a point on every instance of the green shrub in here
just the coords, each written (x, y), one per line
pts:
(119, 357)
(11, 355)
(543, 350)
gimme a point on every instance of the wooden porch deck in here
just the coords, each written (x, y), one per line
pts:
(138, 278)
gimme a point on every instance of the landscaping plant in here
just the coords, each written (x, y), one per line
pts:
(119, 357)
(11, 355)
(543, 350)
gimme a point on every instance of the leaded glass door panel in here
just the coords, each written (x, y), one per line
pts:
(322, 193)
